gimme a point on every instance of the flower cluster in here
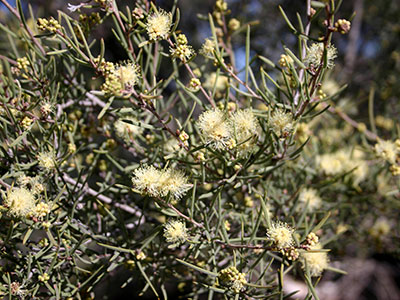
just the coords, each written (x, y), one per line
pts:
(22, 63)
(343, 26)
(160, 183)
(285, 61)
(34, 184)
(281, 234)
(380, 228)
(387, 150)
(47, 160)
(105, 67)
(51, 24)
(120, 79)
(281, 123)
(222, 130)
(303, 132)
(158, 25)
(175, 232)
(315, 53)
(309, 198)
(315, 261)
(41, 210)
(220, 83)
(245, 129)
(194, 84)
(233, 24)
(233, 279)
(290, 253)
(127, 131)
(312, 239)
(343, 161)
(208, 48)
(215, 128)
(181, 49)
(19, 201)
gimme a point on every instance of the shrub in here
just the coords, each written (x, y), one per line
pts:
(173, 164)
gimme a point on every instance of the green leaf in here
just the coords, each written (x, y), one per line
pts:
(197, 268)
(247, 55)
(287, 19)
(120, 249)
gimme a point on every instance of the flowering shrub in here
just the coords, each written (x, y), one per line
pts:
(173, 164)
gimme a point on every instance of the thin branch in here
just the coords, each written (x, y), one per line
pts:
(15, 13)
(103, 198)
(303, 51)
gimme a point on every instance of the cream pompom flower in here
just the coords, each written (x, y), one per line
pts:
(233, 279)
(159, 25)
(208, 48)
(281, 234)
(386, 150)
(47, 160)
(147, 180)
(128, 74)
(175, 183)
(316, 262)
(175, 232)
(315, 53)
(344, 160)
(160, 182)
(20, 202)
(215, 128)
(281, 123)
(331, 163)
(221, 82)
(245, 127)
(309, 198)
(125, 130)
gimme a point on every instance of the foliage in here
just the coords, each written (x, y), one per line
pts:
(173, 164)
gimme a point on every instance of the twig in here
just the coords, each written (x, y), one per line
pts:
(348, 119)
(184, 216)
(232, 73)
(15, 13)
(208, 97)
(303, 54)
(243, 246)
(103, 198)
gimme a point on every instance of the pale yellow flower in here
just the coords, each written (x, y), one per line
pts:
(332, 163)
(221, 83)
(215, 128)
(342, 161)
(20, 201)
(316, 51)
(233, 279)
(175, 232)
(281, 234)
(158, 25)
(47, 160)
(309, 198)
(245, 127)
(386, 150)
(174, 183)
(182, 51)
(281, 123)
(125, 130)
(128, 74)
(208, 48)
(380, 228)
(316, 262)
(159, 183)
